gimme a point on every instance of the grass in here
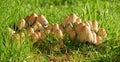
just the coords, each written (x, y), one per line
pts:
(107, 13)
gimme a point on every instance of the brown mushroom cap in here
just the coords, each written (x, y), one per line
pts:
(65, 21)
(85, 34)
(30, 31)
(99, 39)
(95, 26)
(102, 32)
(37, 26)
(72, 18)
(58, 34)
(42, 20)
(32, 19)
(21, 24)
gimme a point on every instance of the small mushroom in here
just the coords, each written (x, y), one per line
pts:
(94, 38)
(87, 24)
(37, 26)
(43, 36)
(65, 21)
(95, 26)
(78, 27)
(30, 31)
(72, 34)
(41, 19)
(99, 40)
(101, 32)
(55, 27)
(58, 34)
(78, 21)
(72, 18)
(21, 24)
(36, 36)
(85, 34)
(32, 19)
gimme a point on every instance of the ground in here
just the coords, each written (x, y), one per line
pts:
(106, 12)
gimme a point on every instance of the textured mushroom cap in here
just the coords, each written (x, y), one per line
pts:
(99, 40)
(58, 34)
(21, 24)
(78, 27)
(55, 27)
(72, 34)
(42, 20)
(94, 38)
(102, 32)
(85, 34)
(43, 36)
(72, 18)
(95, 26)
(36, 36)
(87, 24)
(78, 20)
(32, 19)
(65, 21)
(30, 31)
(37, 26)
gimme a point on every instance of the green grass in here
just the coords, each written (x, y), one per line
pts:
(107, 13)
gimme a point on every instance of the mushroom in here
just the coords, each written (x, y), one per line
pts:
(78, 27)
(78, 21)
(30, 31)
(65, 21)
(94, 38)
(101, 32)
(36, 36)
(41, 19)
(70, 31)
(58, 34)
(99, 40)
(87, 24)
(21, 24)
(95, 26)
(72, 18)
(85, 34)
(37, 26)
(32, 19)
(43, 36)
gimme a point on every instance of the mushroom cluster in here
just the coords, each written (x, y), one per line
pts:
(37, 28)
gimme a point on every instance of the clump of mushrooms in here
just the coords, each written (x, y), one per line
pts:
(37, 27)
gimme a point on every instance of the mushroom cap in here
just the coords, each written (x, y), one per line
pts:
(65, 21)
(36, 36)
(32, 19)
(101, 32)
(58, 34)
(72, 18)
(85, 34)
(95, 26)
(78, 27)
(37, 26)
(21, 24)
(72, 34)
(30, 31)
(94, 38)
(41, 19)
(99, 40)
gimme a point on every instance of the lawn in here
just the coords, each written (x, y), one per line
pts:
(106, 12)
